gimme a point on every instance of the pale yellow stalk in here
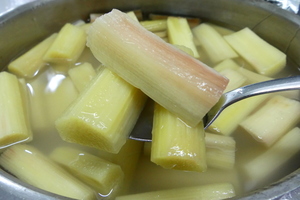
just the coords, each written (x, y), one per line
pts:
(266, 165)
(265, 58)
(67, 46)
(104, 113)
(179, 33)
(220, 151)
(213, 43)
(31, 166)
(272, 120)
(14, 122)
(230, 118)
(176, 145)
(160, 70)
(82, 75)
(155, 25)
(100, 174)
(226, 64)
(202, 192)
(31, 62)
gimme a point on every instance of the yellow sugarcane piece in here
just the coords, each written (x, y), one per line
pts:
(191, 20)
(25, 100)
(236, 79)
(85, 26)
(266, 165)
(253, 77)
(213, 43)
(226, 64)
(273, 120)
(103, 115)
(94, 16)
(185, 49)
(128, 159)
(15, 127)
(100, 174)
(31, 62)
(176, 145)
(132, 15)
(68, 45)
(159, 69)
(155, 25)
(57, 97)
(179, 33)
(82, 75)
(264, 58)
(220, 151)
(209, 191)
(162, 34)
(221, 29)
(31, 166)
(230, 118)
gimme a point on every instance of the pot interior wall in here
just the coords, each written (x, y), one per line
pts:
(29, 24)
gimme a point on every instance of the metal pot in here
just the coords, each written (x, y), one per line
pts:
(24, 27)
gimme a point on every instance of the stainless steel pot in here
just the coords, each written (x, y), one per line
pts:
(22, 28)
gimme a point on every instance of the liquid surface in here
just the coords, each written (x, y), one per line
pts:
(50, 94)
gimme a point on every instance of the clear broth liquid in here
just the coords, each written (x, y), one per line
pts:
(50, 94)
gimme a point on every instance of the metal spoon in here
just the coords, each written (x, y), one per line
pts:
(143, 127)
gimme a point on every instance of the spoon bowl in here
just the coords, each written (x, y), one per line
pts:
(143, 127)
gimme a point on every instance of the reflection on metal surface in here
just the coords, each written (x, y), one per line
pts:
(8, 5)
(289, 5)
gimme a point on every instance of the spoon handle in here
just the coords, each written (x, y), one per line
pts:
(276, 85)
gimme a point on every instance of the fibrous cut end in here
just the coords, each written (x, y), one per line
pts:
(160, 70)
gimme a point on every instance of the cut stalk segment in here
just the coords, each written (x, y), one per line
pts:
(226, 64)
(67, 46)
(273, 120)
(30, 63)
(160, 70)
(236, 79)
(210, 191)
(104, 114)
(31, 166)
(220, 151)
(96, 172)
(232, 116)
(253, 77)
(176, 145)
(213, 43)
(192, 21)
(155, 25)
(265, 166)
(128, 159)
(179, 33)
(82, 75)
(265, 58)
(14, 121)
